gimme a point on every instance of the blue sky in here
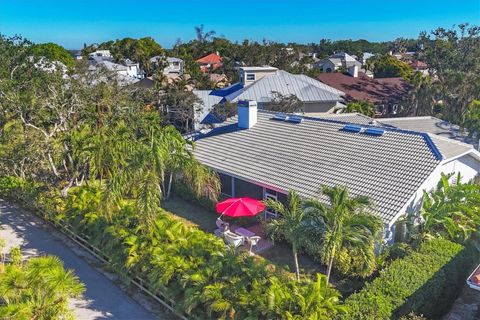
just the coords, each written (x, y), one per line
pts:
(74, 22)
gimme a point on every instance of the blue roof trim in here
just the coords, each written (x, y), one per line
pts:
(210, 118)
(436, 152)
(227, 90)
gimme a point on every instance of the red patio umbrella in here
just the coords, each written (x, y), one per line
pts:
(240, 207)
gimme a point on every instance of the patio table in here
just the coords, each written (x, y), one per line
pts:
(244, 232)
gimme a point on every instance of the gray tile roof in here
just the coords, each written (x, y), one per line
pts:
(448, 137)
(287, 83)
(450, 148)
(424, 124)
(345, 117)
(388, 168)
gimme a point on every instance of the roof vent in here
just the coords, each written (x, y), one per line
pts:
(295, 119)
(374, 132)
(351, 128)
(280, 117)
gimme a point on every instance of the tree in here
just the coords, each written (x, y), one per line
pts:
(285, 103)
(422, 96)
(346, 226)
(290, 224)
(451, 211)
(38, 289)
(180, 105)
(454, 57)
(203, 36)
(387, 66)
(362, 107)
(471, 120)
(53, 52)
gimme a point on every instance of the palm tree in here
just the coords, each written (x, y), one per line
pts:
(291, 224)
(451, 210)
(142, 176)
(317, 300)
(39, 289)
(345, 224)
(203, 36)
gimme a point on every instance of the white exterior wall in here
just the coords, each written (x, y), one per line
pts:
(466, 165)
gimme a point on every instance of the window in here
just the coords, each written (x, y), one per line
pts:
(226, 182)
(270, 195)
(176, 63)
(250, 76)
(247, 189)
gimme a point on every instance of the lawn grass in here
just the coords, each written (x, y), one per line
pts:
(195, 214)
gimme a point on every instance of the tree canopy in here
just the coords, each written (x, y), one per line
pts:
(53, 52)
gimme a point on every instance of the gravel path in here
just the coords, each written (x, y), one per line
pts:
(102, 298)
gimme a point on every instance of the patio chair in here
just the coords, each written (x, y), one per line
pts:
(222, 227)
(253, 242)
(233, 239)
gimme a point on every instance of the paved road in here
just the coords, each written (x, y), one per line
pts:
(102, 298)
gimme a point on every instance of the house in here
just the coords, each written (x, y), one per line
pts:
(336, 61)
(133, 69)
(127, 74)
(420, 66)
(263, 155)
(366, 56)
(261, 84)
(174, 66)
(101, 53)
(210, 62)
(386, 94)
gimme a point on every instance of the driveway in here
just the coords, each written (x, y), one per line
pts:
(102, 298)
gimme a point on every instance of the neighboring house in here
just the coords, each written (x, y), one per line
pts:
(210, 62)
(366, 56)
(174, 66)
(78, 55)
(133, 69)
(386, 94)
(336, 61)
(420, 66)
(127, 74)
(101, 53)
(263, 156)
(261, 83)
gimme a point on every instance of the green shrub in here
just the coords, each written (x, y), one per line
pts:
(204, 278)
(425, 282)
(183, 191)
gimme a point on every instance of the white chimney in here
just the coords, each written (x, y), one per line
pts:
(247, 113)
(353, 71)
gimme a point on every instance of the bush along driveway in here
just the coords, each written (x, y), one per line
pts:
(102, 298)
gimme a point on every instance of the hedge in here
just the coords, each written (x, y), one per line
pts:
(189, 267)
(426, 281)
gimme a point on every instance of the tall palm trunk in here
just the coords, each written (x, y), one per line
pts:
(169, 184)
(330, 264)
(295, 259)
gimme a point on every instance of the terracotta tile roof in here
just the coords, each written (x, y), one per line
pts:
(377, 91)
(212, 58)
(419, 65)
